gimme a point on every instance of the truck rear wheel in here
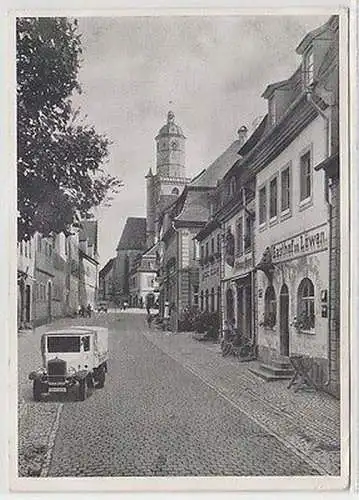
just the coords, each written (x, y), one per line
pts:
(36, 390)
(83, 389)
(101, 376)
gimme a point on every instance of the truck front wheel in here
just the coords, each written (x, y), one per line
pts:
(36, 390)
(83, 389)
(101, 376)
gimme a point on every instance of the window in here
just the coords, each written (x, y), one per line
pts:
(202, 301)
(218, 243)
(195, 249)
(285, 190)
(212, 299)
(309, 68)
(248, 233)
(239, 237)
(306, 315)
(273, 198)
(195, 295)
(272, 110)
(305, 176)
(262, 205)
(86, 343)
(270, 308)
(206, 300)
(202, 253)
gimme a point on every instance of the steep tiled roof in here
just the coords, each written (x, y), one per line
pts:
(195, 207)
(133, 235)
(106, 268)
(217, 170)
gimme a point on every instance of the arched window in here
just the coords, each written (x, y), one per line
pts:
(306, 315)
(175, 191)
(270, 307)
(206, 298)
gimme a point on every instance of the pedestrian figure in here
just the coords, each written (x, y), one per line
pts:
(83, 311)
(149, 319)
(166, 315)
(89, 310)
(79, 310)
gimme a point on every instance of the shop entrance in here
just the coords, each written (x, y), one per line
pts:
(284, 320)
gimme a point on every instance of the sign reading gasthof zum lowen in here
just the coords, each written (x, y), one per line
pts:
(314, 240)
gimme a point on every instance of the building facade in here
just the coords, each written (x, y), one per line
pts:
(132, 244)
(106, 282)
(25, 281)
(88, 263)
(293, 209)
(143, 280)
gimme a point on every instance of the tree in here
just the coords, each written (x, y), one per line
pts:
(59, 158)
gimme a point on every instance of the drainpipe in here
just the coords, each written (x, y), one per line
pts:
(328, 130)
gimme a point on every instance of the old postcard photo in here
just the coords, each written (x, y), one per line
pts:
(182, 206)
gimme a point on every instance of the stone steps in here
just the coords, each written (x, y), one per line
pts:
(277, 370)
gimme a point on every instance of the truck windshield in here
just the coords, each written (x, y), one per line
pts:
(63, 344)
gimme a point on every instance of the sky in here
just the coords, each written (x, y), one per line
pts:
(210, 71)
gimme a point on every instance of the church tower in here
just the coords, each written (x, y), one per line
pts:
(170, 148)
(167, 183)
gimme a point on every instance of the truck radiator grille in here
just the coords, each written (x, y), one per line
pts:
(56, 370)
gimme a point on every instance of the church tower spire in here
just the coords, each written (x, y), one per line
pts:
(170, 149)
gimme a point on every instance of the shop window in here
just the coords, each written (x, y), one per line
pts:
(239, 237)
(273, 198)
(285, 189)
(270, 308)
(305, 176)
(306, 315)
(262, 205)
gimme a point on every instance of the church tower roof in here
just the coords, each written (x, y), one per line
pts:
(170, 128)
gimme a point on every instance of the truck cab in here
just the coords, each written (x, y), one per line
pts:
(76, 356)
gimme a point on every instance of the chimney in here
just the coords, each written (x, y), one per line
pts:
(242, 134)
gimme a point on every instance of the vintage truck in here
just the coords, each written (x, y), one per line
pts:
(76, 356)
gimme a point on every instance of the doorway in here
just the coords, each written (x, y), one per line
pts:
(284, 320)
(230, 305)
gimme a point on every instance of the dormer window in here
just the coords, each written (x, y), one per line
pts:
(308, 68)
(271, 110)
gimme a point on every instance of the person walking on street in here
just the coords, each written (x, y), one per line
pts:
(89, 310)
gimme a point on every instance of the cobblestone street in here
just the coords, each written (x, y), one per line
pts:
(172, 406)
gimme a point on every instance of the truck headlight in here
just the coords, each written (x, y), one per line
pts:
(71, 371)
